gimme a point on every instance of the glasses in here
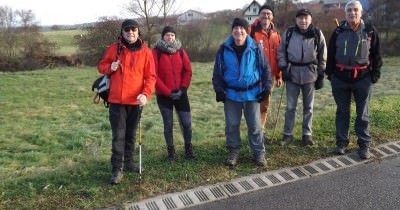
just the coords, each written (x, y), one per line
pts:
(127, 29)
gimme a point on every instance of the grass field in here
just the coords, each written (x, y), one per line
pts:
(67, 44)
(55, 144)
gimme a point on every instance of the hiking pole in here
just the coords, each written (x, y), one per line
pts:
(279, 108)
(140, 142)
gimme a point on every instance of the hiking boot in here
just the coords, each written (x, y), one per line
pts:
(364, 153)
(340, 150)
(307, 140)
(189, 152)
(131, 167)
(116, 177)
(171, 153)
(286, 140)
(260, 160)
(232, 158)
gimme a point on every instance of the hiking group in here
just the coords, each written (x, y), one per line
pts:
(248, 64)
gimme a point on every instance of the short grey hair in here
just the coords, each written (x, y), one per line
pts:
(351, 3)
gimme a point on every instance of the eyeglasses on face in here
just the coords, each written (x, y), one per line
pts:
(127, 29)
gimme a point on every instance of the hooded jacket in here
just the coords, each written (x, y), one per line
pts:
(301, 49)
(270, 43)
(136, 74)
(250, 74)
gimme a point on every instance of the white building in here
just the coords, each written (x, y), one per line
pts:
(251, 12)
(190, 16)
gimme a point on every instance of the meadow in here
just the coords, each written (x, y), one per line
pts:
(55, 144)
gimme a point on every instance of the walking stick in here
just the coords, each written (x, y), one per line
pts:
(279, 108)
(140, 142)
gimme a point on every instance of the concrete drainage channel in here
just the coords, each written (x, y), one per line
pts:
(205, 194)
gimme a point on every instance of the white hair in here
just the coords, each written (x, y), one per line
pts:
(353, 3)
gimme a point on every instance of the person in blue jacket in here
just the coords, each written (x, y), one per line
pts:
(241, 79)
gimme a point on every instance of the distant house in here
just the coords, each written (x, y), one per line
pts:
(251, 11)
(190, 16)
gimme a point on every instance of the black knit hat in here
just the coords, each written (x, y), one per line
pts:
(167, 29)
(301, 12)
(266, 7)
(240, 22)
(129, 23)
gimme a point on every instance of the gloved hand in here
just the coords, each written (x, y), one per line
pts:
(319, 83)
(176, 94)
(375, 76)
(220, 97)
(184, 90)
(286, 75)
(263, 95)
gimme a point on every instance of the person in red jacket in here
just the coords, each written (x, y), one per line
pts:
(264, 33)
(174, 74)
(130, 65)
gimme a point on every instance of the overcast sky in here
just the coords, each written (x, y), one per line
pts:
(60, 12)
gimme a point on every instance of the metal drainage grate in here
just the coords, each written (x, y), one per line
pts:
(273, 179)
(231, 188)
(385, 150)
(310, 169)
(185, 199)
(354, 156)
(286, 176)
(246, 185)
(169, 203)
(333, 163)
(217, 192)
(135, 207)
(322, 167)
(299, 173)
(152, 205)
(394, 147)
(260, 182)
(201, 196)
(344, 160)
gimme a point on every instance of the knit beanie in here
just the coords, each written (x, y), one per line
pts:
(266, 7)
(129, 23)
(167, 29)
(240, 22)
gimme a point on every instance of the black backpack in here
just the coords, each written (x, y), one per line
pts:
(101, 86)
(289, 33)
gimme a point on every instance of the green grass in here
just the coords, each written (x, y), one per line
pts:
(55, 145)
(66, 43)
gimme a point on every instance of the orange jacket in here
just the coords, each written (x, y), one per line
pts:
(135, 76)
(270, 43)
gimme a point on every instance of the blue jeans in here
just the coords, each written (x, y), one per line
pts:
(342, 92)
(233, 115)
(292, 95)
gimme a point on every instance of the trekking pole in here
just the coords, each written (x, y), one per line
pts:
(140, 142)
(277, 115)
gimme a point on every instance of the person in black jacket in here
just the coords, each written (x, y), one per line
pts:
(353, 65)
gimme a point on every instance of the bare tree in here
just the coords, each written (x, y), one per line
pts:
(167, 7)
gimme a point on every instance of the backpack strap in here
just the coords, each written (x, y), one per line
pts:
(289, 34)
(159, 54)
(253, 31)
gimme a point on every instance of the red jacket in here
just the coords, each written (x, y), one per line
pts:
(135, 76)
(173, 71)
(270, 43)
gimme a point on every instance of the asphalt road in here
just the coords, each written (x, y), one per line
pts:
(374, 185)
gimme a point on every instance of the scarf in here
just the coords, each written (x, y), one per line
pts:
(169, 48)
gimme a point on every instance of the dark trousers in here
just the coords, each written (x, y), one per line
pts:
(182, 107)
(342, 92)
(124, 121)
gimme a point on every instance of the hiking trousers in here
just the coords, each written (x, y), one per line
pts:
(342, 92)
(182, 107)
(292, 95)
(124, 121)
(233, 115)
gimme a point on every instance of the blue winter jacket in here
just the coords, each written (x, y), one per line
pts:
(245, 80)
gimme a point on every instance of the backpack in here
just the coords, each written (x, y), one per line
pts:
(101, 86)
(289, 33)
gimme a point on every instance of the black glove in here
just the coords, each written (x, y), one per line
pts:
(375, 76)
(263, 95)
(319, 83)
(286, 75)
(220, 97)
(176, 94)
(183, 90)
